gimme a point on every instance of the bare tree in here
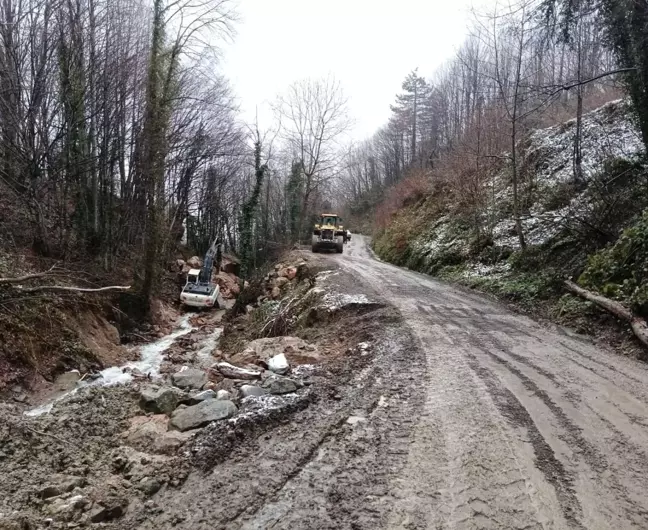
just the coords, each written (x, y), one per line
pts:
(314, 115)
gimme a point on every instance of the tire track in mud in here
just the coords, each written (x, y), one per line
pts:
(545, 459)
(589, 453)
(344, 483)
(570, 433)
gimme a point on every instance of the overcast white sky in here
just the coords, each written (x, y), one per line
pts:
(368, 45)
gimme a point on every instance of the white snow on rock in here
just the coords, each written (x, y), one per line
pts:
(335, 301)
(279, 364)
(607, 133)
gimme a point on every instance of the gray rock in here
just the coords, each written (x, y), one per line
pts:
(68, 380)
(201, 414)
(276, 384)
(149, 485)
(61, 484)
(66, 508)
(251, 390)
(279, 364)
(223, 395)
(194, 399)
(158, 400)
(189, 378)
(236, 372)
(205, 395)
(100, 513)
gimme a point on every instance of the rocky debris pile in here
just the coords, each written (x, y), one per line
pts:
(280, 279)
(226, 278)
(72, 468)
(296, 351)
(195, 398)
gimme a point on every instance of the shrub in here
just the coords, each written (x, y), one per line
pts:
(527, 260)
(621, 270)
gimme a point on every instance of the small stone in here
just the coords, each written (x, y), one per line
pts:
(281, 282)
(353, 420)
(61, 484)
(149, 486)
(223, 395)
(275, 384)
(205, 394)
(251, 390)
(99, 513)
(275, 293)
(66, 508)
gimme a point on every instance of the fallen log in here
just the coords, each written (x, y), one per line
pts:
(27, 277)
(234, 372)
(73, 289)
(638, 325)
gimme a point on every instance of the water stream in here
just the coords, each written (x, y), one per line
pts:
(151, 357)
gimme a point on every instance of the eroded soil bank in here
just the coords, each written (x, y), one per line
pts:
(176, 438)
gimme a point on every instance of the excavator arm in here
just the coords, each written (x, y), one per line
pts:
(214, 252)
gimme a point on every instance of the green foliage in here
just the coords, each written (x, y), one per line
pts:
(494, 254)
(525, 289)
(570, 307)
(557, 196)
(246, 221)
(530, 259)
(621, 270)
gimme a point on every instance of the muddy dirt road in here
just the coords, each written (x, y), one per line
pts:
(521, 426)
(467, 416)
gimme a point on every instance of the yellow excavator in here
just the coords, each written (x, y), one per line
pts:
(328, 233)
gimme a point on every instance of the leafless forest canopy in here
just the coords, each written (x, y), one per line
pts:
(120, 138)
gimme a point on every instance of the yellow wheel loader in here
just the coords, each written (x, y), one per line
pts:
(328, 233)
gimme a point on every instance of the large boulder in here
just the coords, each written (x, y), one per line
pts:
(194, 262)
(228, 283)
(196, 416)
(276, 384)
(158, 400)
(150, 434)
(190, 378)
(232, 267)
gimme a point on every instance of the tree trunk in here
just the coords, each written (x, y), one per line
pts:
(638, 325)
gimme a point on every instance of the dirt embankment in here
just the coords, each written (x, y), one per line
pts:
(128, 455)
